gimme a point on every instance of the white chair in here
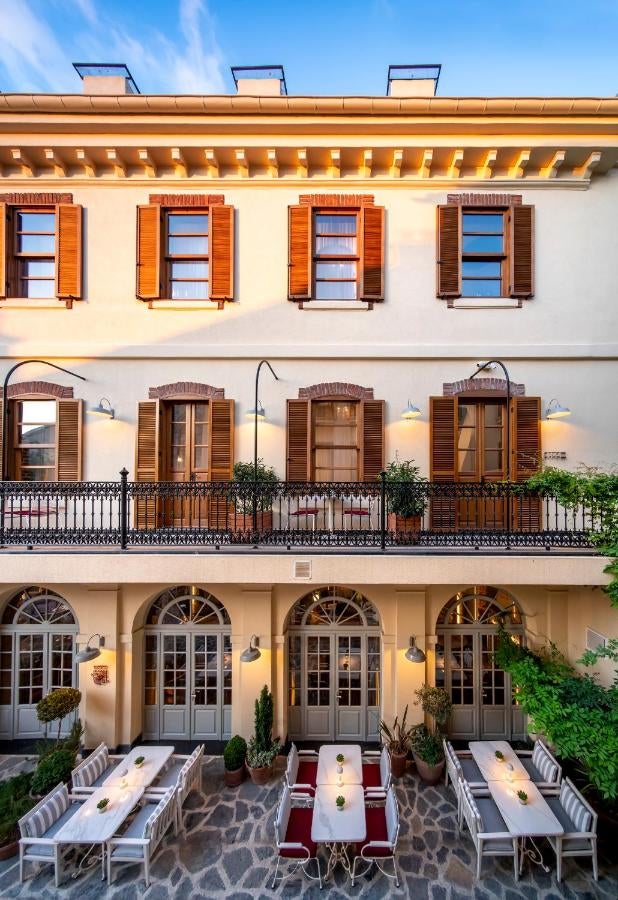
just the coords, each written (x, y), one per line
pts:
(380, 845)
(92, 771)
(488, 829)
(301, 769)
(376, 778)
(39, 827)
(460, 768)
(542, 767)
(140, 840)
(293, 837)
(184, 774)
(579, 821)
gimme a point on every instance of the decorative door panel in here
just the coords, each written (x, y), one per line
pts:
(351, 694)
(319, 696)
(205, 690)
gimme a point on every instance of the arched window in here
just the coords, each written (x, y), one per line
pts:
(333, 605)
(481, 605)
(37, 606)
(185, 605)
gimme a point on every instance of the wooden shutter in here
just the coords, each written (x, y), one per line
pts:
(147, 460)
(448, 251)
(443, 459)
(372, 264)
(526, 459)
(298, 441)
(522, 251)
(148, 252)
(69, 440)
(221, 252)
(3, 250)
(69, 250)
(221, 458)
(299, 253)
(372, 446)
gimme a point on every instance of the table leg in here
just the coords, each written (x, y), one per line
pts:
(532, 852)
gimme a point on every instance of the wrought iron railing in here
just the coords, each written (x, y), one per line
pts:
(291, 514)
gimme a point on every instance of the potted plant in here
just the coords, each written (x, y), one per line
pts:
(406, 499)
(397, 739)
(57, 705)
(234, 756)
(259, 492)
(139, 761)
(499, 756)
(340, 801)
(522, 797)
(103, 805)
(262, 749)
(428, 751)
(340, 759)
(15, 802)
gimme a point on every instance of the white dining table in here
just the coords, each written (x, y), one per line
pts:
(338, 827)
(352, 764)
(126, 770)
(484, 755)
(525, 820)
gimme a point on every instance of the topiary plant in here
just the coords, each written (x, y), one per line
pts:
(264, 720)
(264, 488)
(406, 488)
(436, 703)
(58, 704)
(52, 770)
(235, 753)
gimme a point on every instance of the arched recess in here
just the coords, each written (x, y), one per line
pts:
(482, 696)
(187, 666)
(334, 664)
(38, 631)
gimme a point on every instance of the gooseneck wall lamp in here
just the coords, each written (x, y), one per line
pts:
(414, 654)
(89, 653)
(103, 408)
(410, 412)
(252, 652)
(556, 410)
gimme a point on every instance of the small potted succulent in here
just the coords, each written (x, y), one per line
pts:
(499, 756)
(340, 801)
(406, 500)
(234, 756)
(397, 739)
(139, 761)
(103, 805)
(340, 759)
(522, 797)
(260, 491)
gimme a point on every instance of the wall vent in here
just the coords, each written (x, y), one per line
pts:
(301, 568)
(594, 640)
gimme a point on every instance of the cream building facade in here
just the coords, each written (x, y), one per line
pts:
(333, 614)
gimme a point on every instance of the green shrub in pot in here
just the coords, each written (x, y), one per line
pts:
(235, 753)
(403, 497)
(266, 493)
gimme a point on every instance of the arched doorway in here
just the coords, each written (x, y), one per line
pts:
(187, 667)
(37, 654)
(334, 667)
(482, 696)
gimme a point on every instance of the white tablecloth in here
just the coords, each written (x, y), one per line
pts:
(484, 754)
(331, 825)
(352, 764)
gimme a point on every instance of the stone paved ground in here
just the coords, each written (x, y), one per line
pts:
(227, 851)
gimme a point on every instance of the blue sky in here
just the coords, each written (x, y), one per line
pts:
(187, 46)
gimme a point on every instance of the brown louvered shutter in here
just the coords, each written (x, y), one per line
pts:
(221, 252)
(443, 459)
(372, 270)
(299, 252)
(148, 252)
(298, 436)
(69, 440)
(526, 459)
(448, 251)
(522, 251)
(3, 250)
(372, 447)
(147, 458)
(69, 250)
(221, 458)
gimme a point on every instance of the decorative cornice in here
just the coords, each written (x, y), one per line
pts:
(474, 385)
(45, 388)
(186, 390)
(335, 389)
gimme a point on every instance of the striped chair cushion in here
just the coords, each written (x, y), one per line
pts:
(575, 809)
(49, 811)
(92, 769)
(152, 818)
(544, 764)
(471, 800)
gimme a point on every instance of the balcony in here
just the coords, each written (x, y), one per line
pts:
(438, 516)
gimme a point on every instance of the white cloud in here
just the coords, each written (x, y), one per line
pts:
(196, 68)
(88, 11)
(30, 55)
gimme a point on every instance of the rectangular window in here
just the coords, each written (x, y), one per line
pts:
(35, 440)
(483, 264)
(335, 255)
(335, 445)
(35, 253)
(187, 255)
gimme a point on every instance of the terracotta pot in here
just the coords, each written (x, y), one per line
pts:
(398, 764)
(429, 774)
(261, 775)
(8, 850)
(407, 527)
(234, 777)
(243, 524)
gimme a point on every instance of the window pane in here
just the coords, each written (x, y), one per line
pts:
(335, 246)
(480, 269)
(38, 289)
(471, 288)
(487, 224)
(37, 243)
(467, 463)
(335, 290)
(493, 460)
(38, 268)
(493, 438)
(37, 411)
(38, 456)
(38, 474)
(466, 414)
(196, 223)
(37, 434)
(189, 270)
(481, 243)
(325, 224)
(493, 415)
(188, 246)
(36, 221)
(335, 270)
(189, 290)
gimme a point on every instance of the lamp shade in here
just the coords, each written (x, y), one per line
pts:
(261, 413)
(103, 408)
(252, 652)
(415, 654)
(410, 412)
(556, 410)
(89, 653)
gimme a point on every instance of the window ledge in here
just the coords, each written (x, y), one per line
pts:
(186, 305)
(486, 303)
(24, 303)
(336, 304)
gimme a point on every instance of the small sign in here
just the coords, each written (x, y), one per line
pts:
(554, 454)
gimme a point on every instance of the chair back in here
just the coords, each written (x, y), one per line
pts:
(190, 772)
(282, 817)
(385, 768)
(392, 818)
(91, 768)
(470, 811)
(577, 808)
(41, 817)
(546, 764)
(291, 769)
(162, 817)
(453, 766)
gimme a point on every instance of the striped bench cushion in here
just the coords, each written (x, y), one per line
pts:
(92, 769)
(577, 812)
(471, 800)
(544, 764)
(46, 813)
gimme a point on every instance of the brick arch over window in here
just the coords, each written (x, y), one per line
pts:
(46, 389)
(475, 385)
(330, 389)
(186, 390)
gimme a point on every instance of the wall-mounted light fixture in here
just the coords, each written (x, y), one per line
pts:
(261, 413)
(410, 412)
(89, 653)
(252, 652)
(556, 410)
(103, 408)
(413, 653)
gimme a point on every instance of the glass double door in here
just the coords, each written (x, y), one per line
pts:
(188, 686)
(481, 441)
(186, 452)
(334, 686)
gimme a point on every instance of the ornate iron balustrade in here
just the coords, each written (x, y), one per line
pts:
(378, 515)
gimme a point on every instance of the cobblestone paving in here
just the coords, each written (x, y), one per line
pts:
(227, 851)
